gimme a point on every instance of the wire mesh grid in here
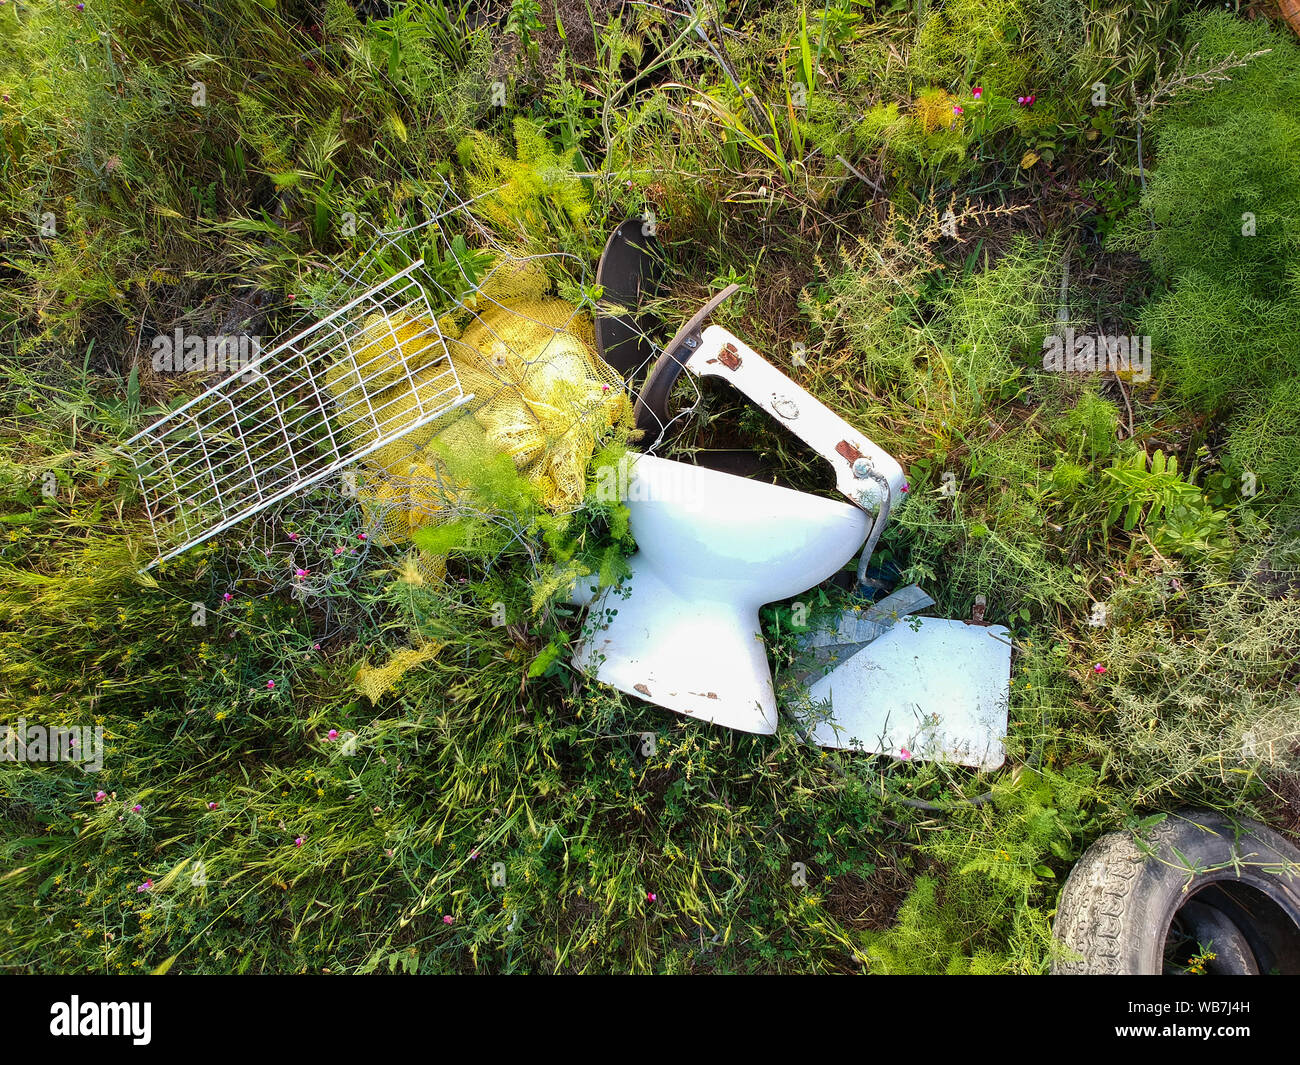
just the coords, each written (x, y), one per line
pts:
(273, 429)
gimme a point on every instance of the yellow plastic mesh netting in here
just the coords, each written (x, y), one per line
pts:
(374, 682)
(542, 395)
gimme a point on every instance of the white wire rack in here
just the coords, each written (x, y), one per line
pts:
(275, 428)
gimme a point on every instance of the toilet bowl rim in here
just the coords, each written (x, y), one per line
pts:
(828, 506)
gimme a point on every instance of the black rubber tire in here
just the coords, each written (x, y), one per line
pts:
(1116, 909)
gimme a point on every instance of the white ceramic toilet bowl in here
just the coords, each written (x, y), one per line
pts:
(682, 630)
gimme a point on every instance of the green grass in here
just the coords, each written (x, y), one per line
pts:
(488, 810)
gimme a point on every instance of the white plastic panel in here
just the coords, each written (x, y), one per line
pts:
(928, 689)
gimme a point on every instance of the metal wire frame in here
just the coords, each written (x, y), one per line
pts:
(273, 429)
(198, 467)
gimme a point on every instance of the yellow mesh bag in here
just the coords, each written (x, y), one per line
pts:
(374, 682)
(381, 501)
(509, 280)
(542, 395)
